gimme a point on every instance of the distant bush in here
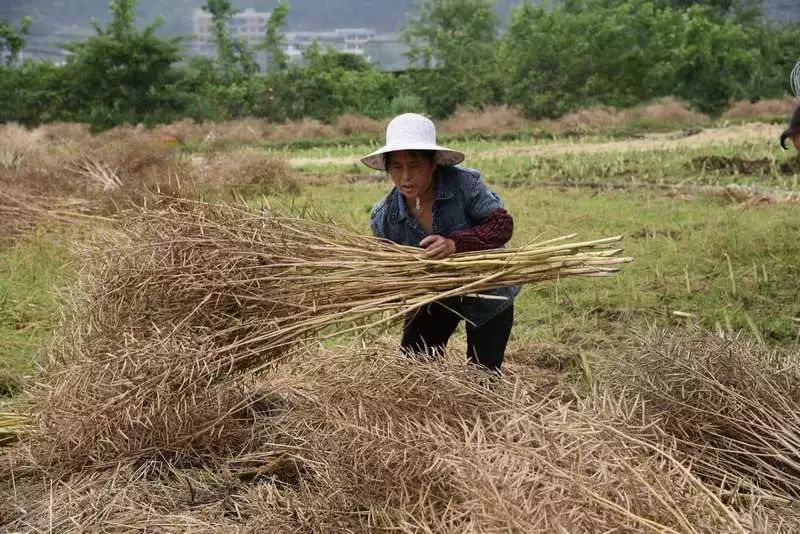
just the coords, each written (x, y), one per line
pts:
(770, 109)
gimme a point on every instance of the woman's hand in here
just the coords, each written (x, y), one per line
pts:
(438, 247)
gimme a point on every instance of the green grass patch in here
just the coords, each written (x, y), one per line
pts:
(31, 272)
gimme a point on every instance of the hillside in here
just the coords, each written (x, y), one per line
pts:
(53, 15)
(64, 16)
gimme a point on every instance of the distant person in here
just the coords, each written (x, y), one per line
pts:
(793, 131)
(444, 209)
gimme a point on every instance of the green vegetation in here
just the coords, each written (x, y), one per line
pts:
(549, 61)
(31, 275)
(12, 39)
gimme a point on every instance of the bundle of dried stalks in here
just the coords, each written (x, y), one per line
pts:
(763, 110)
(733, 407)
(19, 147)
(490, 121)
(66, 134)
(126, 399)
(245, 167)
(350, 124)
(665, 113)
(21, 212)
(12, 426)
(121, 499)
(302, 129)
(428, 449)
(257, 282)
(132, 155)
(370, 440)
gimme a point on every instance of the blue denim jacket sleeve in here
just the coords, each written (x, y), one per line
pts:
(377, 219)
(480, 200)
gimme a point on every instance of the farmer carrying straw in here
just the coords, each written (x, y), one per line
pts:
(444, 209)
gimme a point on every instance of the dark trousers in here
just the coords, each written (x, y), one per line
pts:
(427, 330)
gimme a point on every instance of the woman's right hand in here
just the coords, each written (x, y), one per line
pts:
(438, 247)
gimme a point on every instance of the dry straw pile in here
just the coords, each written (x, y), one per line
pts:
(732, 407)
(58, 174)
(369, 440)
(162, 407)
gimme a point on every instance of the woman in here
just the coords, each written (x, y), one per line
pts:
(444, 209)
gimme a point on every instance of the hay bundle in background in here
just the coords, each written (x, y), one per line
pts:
(21, 213)
(245, 167)
(733, 407)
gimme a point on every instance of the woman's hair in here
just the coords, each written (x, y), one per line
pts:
(793, 129)
(427, 155)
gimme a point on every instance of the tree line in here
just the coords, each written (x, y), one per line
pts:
(547, 60)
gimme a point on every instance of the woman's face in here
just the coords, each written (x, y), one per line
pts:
(411, 173)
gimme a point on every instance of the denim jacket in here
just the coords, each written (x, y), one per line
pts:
(461, 201)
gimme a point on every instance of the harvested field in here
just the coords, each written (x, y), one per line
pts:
(372, 440)
(185, 366)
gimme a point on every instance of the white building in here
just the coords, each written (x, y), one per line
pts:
(347, 40)
(250, 25)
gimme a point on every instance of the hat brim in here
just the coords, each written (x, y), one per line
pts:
(444, 156)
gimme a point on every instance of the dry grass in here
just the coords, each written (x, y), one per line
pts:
(54, 168)
(303, 129)
(732, 408)
(429, 449)
(491, 121)
(68, 134)
(214, 136)
(21, 213)
(187, 295)
(246, 166)
(583, 121)
(763, 110)
(667, 113)
(667, 110)
(20, 147)
(132, 400)
(370, 440)
(353, 125)
(156, 389)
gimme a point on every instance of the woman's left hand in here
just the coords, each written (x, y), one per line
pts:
(438, 247)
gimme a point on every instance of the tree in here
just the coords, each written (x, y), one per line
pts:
(122, 73)
(234, 56)
(455, 40)
(273, 41)
(12, 41)
(743, 10)
(584, 52)
(327, 84)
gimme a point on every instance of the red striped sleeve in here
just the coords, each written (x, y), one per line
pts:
(492, 232)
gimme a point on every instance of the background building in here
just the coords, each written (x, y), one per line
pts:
(249, 25)
(346, 40)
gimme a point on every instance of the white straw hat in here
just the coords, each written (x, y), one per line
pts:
(412, 132)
